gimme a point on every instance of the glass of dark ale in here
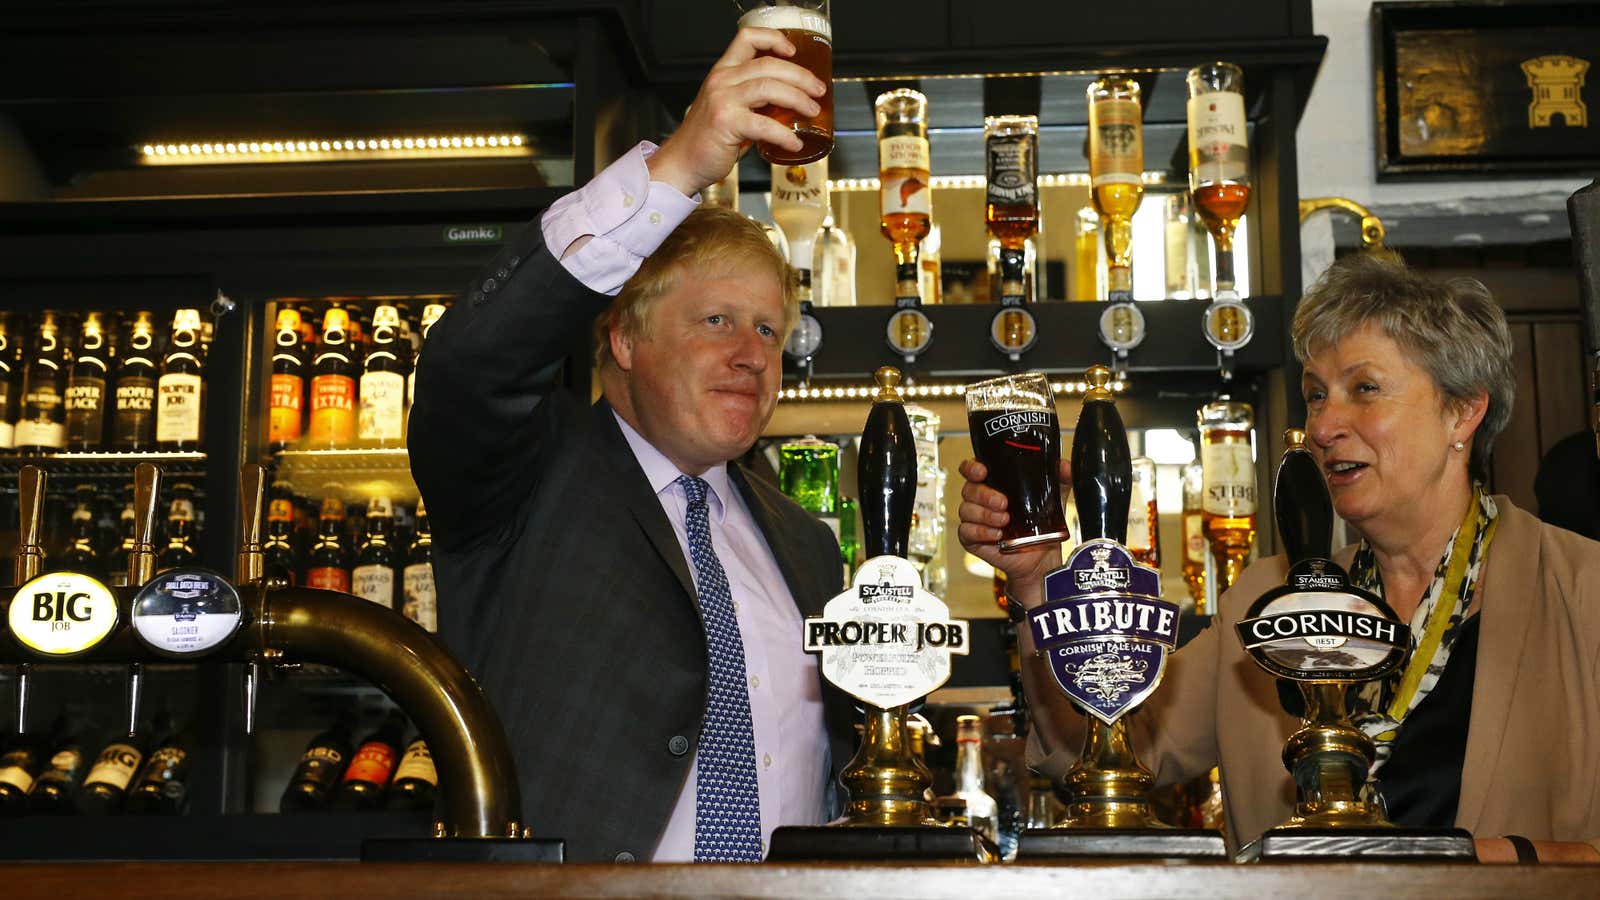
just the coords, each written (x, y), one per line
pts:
(807, 25)
(1017, 437)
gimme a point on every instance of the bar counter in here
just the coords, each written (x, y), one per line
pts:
(352, 881)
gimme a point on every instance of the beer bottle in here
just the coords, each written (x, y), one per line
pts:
(180, 414)
(377, 559)
(848, 543)
(326, 569)
(333, 384)
(982, 811)
(416, 782)
(86, 388)
(79, 555)
(287, 387)
(56, 788)
(421, 597)
(278, 548)
(162, 787)
(20, 765)
(317, 774)
(430, 315)
(133, 418)
(180, 530)
(383, 383)
(106, 785)
(373, 765)
(10, 379)
(116, 564)
(42, 424)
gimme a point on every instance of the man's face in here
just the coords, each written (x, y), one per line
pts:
(704, 380)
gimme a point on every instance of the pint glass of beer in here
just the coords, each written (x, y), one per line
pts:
(1017, 437)
(806, 24)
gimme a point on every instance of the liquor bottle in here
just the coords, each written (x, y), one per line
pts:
(927, 511)
(1116, 167)
(278, 546)
(179, 550)
(56, 789)
(162, 786)
(799, 205)
(1219, 157)
(849, 544)
(835, 257)
(377, 559)
(106, 785)
(808, 472)
(382, 420)
(930, 265)
(1177, 232)
(327, 568)
(373, 765)
(1194, 537)
(333, 384)
(1228, 514)
(421, 596)
(416, 782)
(10, 378)
(982, 811)
(287, 388)
(180, 391)
(79, 554)
(1087, 257)
(430, 315)
(133, 414)
(1144, 524)
(905, 196)
(86, 387)
(22, 763)
(316, 776)
(1011, 213)
(42, 424)
(116, 564)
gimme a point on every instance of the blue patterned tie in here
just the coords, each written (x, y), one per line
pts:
(727, 819)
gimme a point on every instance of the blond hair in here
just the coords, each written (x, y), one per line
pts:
(711, 241)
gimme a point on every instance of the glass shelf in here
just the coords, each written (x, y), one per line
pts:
(104, 464)
(354, 476)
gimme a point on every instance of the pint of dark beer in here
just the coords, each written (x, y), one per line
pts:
(1016, 435)
(806, 24)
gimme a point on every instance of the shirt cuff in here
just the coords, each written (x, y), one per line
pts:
(627, 216)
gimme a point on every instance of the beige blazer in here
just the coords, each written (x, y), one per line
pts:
(1533, 746)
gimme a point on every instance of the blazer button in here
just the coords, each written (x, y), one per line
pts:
(502, 274)
(678, 746)
(623, 857)
(489, 284)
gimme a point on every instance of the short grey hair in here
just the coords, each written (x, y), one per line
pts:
(1454, 330)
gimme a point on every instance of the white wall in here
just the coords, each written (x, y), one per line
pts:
(1338, 155)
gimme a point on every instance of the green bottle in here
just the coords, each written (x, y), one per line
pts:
(849, 544)
(808, 471)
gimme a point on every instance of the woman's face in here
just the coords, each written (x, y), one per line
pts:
(1380, 430)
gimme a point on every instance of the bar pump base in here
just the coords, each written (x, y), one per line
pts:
(1327, 844)
(520, 850)
(862, 843)
(1125, 843)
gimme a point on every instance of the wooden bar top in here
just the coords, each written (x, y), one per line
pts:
(385, 881)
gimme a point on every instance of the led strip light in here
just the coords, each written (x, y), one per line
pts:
(335, 150)
(921, 391)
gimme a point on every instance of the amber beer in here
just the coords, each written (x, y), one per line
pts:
(1017, 437)
(806, 24)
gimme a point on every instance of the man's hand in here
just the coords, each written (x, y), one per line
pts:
(983, 515)
(722, 122)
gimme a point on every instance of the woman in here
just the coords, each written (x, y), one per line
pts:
(1407, 383)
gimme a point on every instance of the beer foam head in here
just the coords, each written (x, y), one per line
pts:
(788, 18)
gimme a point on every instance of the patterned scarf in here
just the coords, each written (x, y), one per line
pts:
(1382, 706)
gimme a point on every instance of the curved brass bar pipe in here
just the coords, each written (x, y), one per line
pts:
(1372, 230)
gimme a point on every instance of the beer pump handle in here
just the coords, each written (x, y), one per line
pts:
(252, 558)
(1583, 209)
(146, 488)
(1301, 502)
(1102, 467)
(887, 470)
(31, 482)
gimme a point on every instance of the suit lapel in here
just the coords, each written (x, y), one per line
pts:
(760, 500)
(1506, 623)
(632, 490)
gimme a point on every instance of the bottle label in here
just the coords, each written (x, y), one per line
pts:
(166, 764)
(17, 777)
(373, 763)
(283, 416)
(903, 169)
(1229, 478)
(417, 764)
(135, 411)
(421, 603)
(178, 414)
(1011, 171)
(1219, 148)
(36, 433)
(85, 394)
(333, 409)
(383, 405)
(328, 578)
(375, 583)
(1194, 538)
(182, 510)
(1116, 142)
(319, 765)
(280, 510)
(115, 765)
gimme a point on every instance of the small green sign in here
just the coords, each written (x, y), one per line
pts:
(472, 234)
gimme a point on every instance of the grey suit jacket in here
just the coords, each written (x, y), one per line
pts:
(561, 583)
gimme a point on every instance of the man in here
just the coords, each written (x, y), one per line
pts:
(630, 600)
